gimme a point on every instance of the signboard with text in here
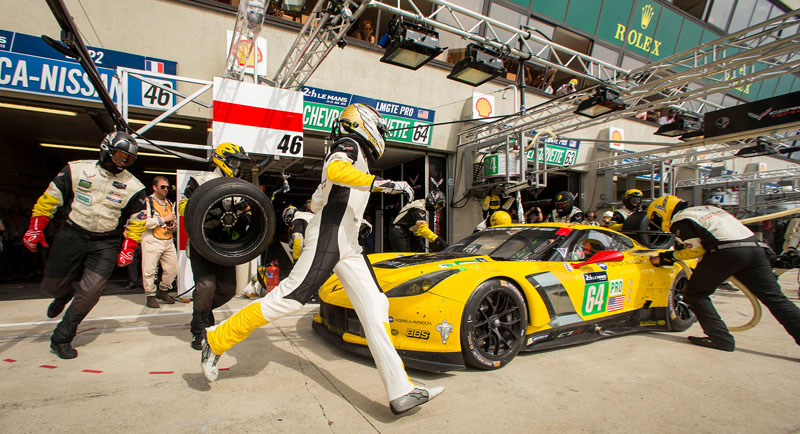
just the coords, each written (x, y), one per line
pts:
(406, 124)
(28, 64)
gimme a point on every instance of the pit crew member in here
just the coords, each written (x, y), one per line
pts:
(413, 219)
(565, 210)
(632, 203)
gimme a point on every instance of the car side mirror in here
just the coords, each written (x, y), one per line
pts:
(601, 256)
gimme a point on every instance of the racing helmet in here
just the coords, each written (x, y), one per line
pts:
(365, 123)
(492, 202)
(590, 247)
(288, 214)
(118, 151)
(365, 229)
(228, 156)
(608, 215)
(661, 210)
(499, 218)
(563, 202)
(632, 199)
(435, 200)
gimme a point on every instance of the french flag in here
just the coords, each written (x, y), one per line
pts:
(153, 66)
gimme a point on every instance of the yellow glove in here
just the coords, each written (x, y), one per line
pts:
(297, 247)
(422, 230)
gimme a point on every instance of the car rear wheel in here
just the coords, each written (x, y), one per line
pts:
(637, 226)
(493, 325)
(679, 314)
(229, 221)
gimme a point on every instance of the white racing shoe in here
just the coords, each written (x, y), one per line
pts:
(207, 362)
(417, 397)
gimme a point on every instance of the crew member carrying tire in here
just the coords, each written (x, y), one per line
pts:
(728, 249)
(632, 203)
(331, 244)
(215, 284)
(565, 210)
(413, 219)
(100, 196)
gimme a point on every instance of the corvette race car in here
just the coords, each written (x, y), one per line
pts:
(509, 289)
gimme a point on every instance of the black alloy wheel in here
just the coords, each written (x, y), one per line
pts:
(679, 315)
(493, 325)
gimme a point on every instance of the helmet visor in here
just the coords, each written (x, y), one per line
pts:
(635, 200)
(121, 158)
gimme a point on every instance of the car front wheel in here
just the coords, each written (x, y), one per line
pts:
(493, 325)
(680, 315)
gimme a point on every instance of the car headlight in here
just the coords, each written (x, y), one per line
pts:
(421, 284)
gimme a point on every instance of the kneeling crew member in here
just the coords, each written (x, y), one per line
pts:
(101, 196)
(728, 249)
(331, 244)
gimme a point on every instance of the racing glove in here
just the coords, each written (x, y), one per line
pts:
(667, 258)
(392, 187)
(34, 235)
(126, 254)
(297, 246)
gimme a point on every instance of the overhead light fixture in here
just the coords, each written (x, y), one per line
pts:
(85, 148)
(603, 101)
(411, 46)
(479, 66)
(292, 5)
(161, 124)
(31, 108)
(680, 127)
(693, 134)
(761, 148)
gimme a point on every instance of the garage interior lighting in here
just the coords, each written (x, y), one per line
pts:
(38, 109)
(161, 124)
(479, 66)
(411, 46)
(603, 101)
(292, 5)
(760, 149)
(84, 148)
(679, 128)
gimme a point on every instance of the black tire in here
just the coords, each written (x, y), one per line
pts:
(637, 223)
(493, 325)
(229, 221)
(679, 315)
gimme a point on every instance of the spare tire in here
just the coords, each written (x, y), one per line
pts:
(229, 221)
(637, 226)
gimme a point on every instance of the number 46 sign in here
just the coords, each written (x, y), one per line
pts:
(156, 97)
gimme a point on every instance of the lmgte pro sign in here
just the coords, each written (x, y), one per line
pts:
(264, 120)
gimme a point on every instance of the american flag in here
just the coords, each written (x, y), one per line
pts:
(615, 303)
(422, 113)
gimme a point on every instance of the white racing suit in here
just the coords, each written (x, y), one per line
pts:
(299, 225)
(331, 245)
(574, 216)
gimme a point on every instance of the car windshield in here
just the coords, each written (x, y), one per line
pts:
(508, 244)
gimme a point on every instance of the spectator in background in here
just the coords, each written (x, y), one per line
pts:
(366, 32)
(590, 219)
(671, 117)
(607, 216)
(654, 116)
(534, 215)
(157, 246)
(567, 88)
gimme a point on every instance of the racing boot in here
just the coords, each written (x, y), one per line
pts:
(197, 342)
(417, 397)
(710, 343)
(64, 350)
(208, 360)
(165, 297)
(58, 303)
(152, 303)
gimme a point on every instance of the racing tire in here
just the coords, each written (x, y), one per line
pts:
(229, 221)
(638, 222)
(679, 315)
(493, 325)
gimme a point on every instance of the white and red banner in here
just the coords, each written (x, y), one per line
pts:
(262, 119)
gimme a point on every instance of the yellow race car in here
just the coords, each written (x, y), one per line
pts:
(509, 289)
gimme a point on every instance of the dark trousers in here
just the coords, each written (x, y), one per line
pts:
(751, 267)
(74, 255)
(215, 285)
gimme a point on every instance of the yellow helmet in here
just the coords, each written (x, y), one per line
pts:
(366, 123)
(632, 198)
(228, 156)
(499, 218)
(661, 210)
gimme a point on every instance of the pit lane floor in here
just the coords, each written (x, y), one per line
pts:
(137, 373)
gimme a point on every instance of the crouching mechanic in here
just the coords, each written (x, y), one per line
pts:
(413, 219)
(331, 245)
(728, 249)
(215, 284)
(100, 196)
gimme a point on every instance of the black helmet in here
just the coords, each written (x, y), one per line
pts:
(288, 214)
(435, 200)
(118, 152)
(563, 202)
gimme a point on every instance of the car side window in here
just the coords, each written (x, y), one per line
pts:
(592, 242)
(621, 242)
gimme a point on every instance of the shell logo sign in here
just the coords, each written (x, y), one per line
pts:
(242, 52)
(257, 60)
(482, 106)
(615, 137)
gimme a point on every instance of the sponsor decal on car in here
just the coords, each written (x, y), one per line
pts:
(413, 321)
(457, 263)
(444, 328)
(562, 251)
(569, 333)
(568, 266)
(537, 338)
(594, 295)
(602, 265)
(615, 288)
(418, 334)
(652, 323)
(483, 360)
(615, 303)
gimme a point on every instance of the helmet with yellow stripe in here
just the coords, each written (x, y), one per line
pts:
(661, 211)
